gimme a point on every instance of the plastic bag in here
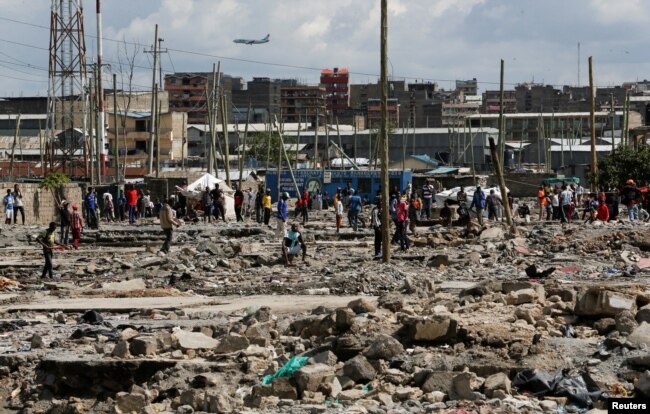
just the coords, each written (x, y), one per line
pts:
(287, 370)
(540, 383)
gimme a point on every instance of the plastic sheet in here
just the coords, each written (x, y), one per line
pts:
(540, 383)
(287, 370)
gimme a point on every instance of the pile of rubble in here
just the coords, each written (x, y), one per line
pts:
(554, 320)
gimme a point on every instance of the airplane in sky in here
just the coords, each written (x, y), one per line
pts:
(253, 41)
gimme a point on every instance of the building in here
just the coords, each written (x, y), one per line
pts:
(189, 91)
(337, 90)
(467, 87)
(134, 139)
(301, 102)
(492, 102)
(263, 94)
(374, 112)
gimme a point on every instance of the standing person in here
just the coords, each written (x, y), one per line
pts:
(8, 202)
(292, 245)
(549, 207)
(461, 196)
(121, 205)
(259, 206)
(338, 208)
(239, 203)
(413, 214)
(76, 226)
(579, 193)
(266, 204)
(281, 216)
(46, 239)
(326, 201)
(493, 201)
(18, 204)
(305, 206)
(478, 201)
(206, 200)
(108, 208)
(132, 203)
(354, 209)
(142, 205)
(319, 200)
(402, 220)
(555, 202)
(566, 198)
(147, 204)
(375, 221)
(249, 203)
(65, 217)
(631, 196)
(427, 196)
(167, 223)
(603, 211)
(220, 203)
(541, 201)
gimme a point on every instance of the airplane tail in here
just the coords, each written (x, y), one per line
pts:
(267, 36)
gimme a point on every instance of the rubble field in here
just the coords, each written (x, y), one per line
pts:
(550, 319)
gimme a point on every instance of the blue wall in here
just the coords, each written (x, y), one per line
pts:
(366, 183)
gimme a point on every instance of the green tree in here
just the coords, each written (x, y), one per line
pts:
(624, 164)
(259, 144)
(55, 182)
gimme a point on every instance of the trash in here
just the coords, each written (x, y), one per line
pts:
(91, 317)
(533, 273)
(287, 370)
(540, 383)
(5, 282)
(10, 326)
(568, 331)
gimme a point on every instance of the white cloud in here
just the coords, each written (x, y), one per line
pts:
(621, 11)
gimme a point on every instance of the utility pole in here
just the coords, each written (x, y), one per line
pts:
(13, 147)
(154, 88)
(612, 113)
(212, 114)
(98, 127)
(116, 135)
(502, 144)
(502, 183)
(592, 121)
(242, 153)
(91, 134)
(316, 141)
(625, 134)
(224, 122)
(101, 130)
(158, 108)
(385, 191)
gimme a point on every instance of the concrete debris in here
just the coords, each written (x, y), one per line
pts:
(444, 327)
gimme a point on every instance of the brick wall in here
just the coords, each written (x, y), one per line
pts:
(39, 203)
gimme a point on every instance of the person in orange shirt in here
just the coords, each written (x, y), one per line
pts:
(541, 200)
(602, 213)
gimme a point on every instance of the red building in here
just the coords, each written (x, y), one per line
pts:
(337, 89)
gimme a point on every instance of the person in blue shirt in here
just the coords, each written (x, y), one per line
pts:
(282, 215)
(8, 202)
(478, 201)
(121, 205)
(91, 208)
(354, 209)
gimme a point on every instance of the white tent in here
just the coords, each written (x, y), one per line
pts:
(194, 191)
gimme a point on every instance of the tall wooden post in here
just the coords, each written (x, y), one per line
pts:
(592, 122)
(13, 147)
(116, 132)
(153, 103)
(224, 122)
(502, 136)
(242, 153)
(502, 182)
(385, 191)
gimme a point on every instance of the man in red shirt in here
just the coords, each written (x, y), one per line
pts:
(132, 203)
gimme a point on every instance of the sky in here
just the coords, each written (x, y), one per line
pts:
(429, 40)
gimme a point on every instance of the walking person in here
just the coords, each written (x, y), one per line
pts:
(259, 207)
(413, 213)
(46, 239)
(281, 215)
(541, 201)
(121, 205)
(167, 223)
(219, 203)
(206, 200)
(8, 203)
(132, 203)
(305, 206)
(18, 204)
(631, 196)
(108, 208)
(478, 201)
(76, 226)
(402, 222)
(354, 209)
(493, 202)
(375, 221)
(65, 218)
(566, 198)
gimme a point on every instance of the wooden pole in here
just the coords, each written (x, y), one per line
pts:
(13, 147)
(611, 109)
(385, 191)
(279, 166)
(502, 182)
(153, 103)
(502, 136)
(471, 137)
(242, 153)
(625, 135)
(91, 135)
(316, 141)
(116, 134)
(154, 119)
(338, 133)
(42, 150)
(592, 121)
(224, 122)
(293, 178)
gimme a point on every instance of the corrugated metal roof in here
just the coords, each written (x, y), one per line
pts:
(443, 170)
(425, 159)
(581, 148)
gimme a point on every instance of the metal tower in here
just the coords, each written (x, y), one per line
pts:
(66, 100)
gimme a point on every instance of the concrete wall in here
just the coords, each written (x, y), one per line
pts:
(40, 205)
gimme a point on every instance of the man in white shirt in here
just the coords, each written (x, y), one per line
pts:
(566, 198)
(339, 213)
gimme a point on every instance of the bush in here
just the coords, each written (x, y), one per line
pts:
(623, 164)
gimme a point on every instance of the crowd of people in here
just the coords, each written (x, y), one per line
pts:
(408, 207)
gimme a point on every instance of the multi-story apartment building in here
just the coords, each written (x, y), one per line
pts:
(374, 112)
(188, 92)
(492, 99)
(337, 90)
(264, 97)
(301, 102)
